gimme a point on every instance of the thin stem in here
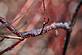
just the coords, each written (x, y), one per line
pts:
(36, 32)
(10, 27)
(10, 37)
(11, 47)
(44, 6)
(69, 32)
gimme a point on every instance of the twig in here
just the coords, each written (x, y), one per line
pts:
(33, 33)
(13, 30)
(10, 27)
(11, 47)
(73, 21)
(36, 32)
(10, 37)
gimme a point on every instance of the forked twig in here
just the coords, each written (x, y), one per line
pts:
(10, 27)
(36, 32)
(33, 33)
(13, 30)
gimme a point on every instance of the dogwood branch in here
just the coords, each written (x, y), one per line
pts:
(9, 26)
(36, 32)
(33, 33)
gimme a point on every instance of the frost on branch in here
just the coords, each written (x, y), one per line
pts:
(35, 32)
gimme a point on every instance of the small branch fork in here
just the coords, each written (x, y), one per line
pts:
(33, 33)
(36, 32)
(9, 26)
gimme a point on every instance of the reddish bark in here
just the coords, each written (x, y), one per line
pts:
(57, 11)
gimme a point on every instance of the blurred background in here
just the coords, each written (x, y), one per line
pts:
(26, 15)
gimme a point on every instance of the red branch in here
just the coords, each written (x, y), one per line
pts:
(10, 27)
(33, 33)
(11, 47)
(36, 32)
